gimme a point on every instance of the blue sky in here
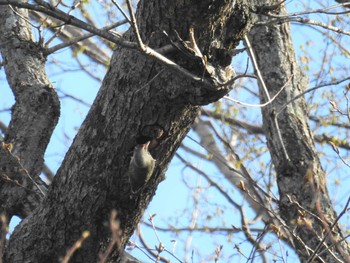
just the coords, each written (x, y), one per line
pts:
(173, 200)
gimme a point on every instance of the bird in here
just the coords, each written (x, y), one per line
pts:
(141, 167)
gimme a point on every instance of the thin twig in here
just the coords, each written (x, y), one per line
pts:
(161, 247)
(78, 39)
(122, 11)
(88, 72)
(150, 219)
(217, 253)
(61, 26)
(267, 96)
(336, 150)
(248, 234)
(256, 67)
(303, 21)
(135, 27)
(46, 170)
(309, 90)
(8, 148)
(334, 244)
(131, 243)
(76, 246)
(7, 179)
(272, 213)
(48, 9)
(314, 11)
(30, 23)
(262, 105)
(149, 82)
(66, 95)
(224, 230)
(21, 16)
(150, 251)
(114, 226)
(314, 254)
(232, 80)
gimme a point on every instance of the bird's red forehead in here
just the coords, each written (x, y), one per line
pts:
(144, 145)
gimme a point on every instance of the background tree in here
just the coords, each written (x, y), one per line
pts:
(175, 58)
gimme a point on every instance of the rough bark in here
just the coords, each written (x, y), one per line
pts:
(138, 99)
(300, 177)
(34, 115)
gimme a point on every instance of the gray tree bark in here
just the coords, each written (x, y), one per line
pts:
(139, 99)
(304, 202)
(34, 116)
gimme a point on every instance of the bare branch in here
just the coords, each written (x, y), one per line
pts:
(135, 27)
(76, 246)
(262, 104)
(61, 27)
(267, 95)
(316, 11)
(149, 250)
(212, 183)
(114, 226)
(309, 90)
(161, 247)
(122, 11)
(81, 38)
(329, 232)
(223, 230)
(8, 149)
(304, 21)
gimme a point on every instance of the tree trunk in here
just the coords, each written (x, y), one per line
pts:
(304, 202)
(34, 116)
(139, 99)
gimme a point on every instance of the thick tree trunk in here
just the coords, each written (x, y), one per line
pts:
(138, 99)
(34, 116)
(304, 200)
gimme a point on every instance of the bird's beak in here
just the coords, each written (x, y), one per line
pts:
(144, 146)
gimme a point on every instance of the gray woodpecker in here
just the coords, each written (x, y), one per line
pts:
(141, 167)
